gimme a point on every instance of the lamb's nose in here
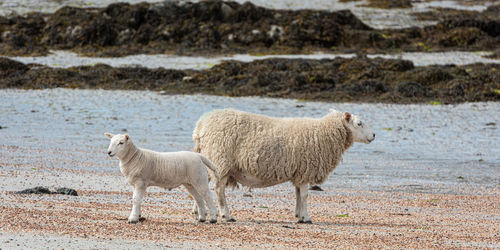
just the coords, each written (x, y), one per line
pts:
(109, 153)
(373, 135)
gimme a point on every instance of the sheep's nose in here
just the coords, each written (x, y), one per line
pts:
(373, 135)
(109, 153)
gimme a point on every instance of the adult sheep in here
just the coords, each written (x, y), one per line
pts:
(260, 151)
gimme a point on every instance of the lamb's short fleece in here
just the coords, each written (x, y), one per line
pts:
(144, 168)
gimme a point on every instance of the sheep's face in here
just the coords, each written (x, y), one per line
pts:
(361, 132)
(117, 144)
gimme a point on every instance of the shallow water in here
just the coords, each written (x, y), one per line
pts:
(418, 148)
(376, 18)
(65, 59)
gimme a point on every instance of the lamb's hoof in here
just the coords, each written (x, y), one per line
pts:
(230, 220)
(135, 221)
(304, 222)
(201, 220)
(296, 216)
(213, 221)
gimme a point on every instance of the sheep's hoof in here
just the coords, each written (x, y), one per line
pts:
(213, 220)
(230, 220)
(133, 221)
(304, 222)
(201, 220)
(296, 216)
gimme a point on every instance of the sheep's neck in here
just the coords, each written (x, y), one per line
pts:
(132, 153)
(349, 140)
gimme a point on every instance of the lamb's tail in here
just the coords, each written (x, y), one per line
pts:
(210, 165)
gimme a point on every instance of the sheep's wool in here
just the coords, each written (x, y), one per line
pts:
(274, 150)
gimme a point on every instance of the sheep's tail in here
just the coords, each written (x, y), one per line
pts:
(210, 165)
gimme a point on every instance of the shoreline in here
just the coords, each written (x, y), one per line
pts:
(357, 79)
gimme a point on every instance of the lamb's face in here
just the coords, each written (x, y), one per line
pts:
(361, 132)
(117, 144)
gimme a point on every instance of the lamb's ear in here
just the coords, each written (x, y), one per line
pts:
(347, 116)
(127, 137)
(109, 135)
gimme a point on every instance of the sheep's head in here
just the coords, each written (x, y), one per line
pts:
(360, 132)
(117, 144)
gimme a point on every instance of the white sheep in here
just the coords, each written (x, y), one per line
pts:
(260, 151)
(144, 168)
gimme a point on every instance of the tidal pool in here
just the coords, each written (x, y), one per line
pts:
(66, 59)
(418, 148)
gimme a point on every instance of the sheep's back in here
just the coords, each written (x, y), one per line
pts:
(302, 150)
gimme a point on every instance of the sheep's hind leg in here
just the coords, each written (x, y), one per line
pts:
(139, 190)
(199, 201)
(303, 216)
(297, 202)
(220, 187)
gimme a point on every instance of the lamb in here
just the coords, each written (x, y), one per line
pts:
(144, 168)
(260, 151)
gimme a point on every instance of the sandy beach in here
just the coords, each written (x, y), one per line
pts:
(397, 192)
(424, 75)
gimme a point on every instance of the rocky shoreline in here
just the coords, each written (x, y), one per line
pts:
(217, 27)
(359, 79)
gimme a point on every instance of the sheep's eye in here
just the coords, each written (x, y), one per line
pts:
(360, 124)
(120, 143)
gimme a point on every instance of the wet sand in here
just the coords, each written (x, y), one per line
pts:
(342, 218)
(430, 179)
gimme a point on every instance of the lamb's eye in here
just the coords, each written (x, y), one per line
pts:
(360, 124)
(120, 143)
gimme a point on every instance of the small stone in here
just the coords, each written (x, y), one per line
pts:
(66, 191)
(35, 190)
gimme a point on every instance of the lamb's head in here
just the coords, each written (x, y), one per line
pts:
(361, 132)
(118, 144)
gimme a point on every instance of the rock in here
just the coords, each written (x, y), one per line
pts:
(66, 191)
(44, 190)
(35, 190)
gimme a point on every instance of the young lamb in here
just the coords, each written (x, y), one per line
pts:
(144, 168)
(260, 151)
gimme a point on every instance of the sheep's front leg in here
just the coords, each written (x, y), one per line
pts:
(302, 206)
(139, 190)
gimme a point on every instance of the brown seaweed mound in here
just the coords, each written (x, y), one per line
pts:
(354, 80)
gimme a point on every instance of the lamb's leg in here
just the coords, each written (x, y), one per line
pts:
(205, 192)
(195, 207)
(297, 202)
(303, 216)
(139, 190)
(220, 187)
(199, 201)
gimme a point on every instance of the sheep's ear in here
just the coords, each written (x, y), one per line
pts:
(347, 116)
(127, 137)
(109, 135)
